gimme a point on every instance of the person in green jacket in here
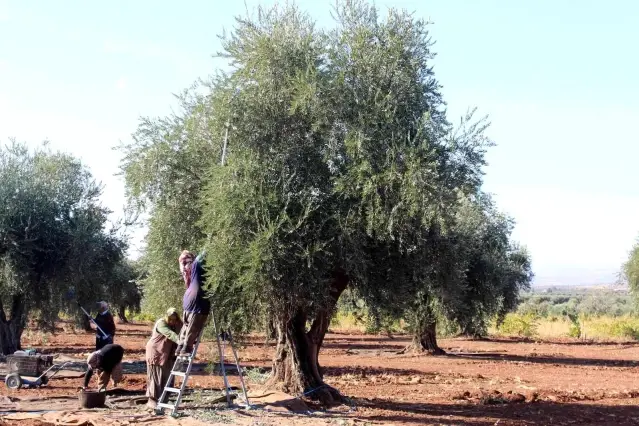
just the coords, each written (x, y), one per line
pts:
(160, 350)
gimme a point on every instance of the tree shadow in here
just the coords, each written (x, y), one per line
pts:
(515, 340)
(585, 362)
(536, 413)
(372, 346)
(359, 371)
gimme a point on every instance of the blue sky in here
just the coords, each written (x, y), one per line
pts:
(558, 80)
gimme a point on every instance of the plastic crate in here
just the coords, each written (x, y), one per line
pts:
(29, 365)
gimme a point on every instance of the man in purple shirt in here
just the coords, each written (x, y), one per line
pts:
(195, 304)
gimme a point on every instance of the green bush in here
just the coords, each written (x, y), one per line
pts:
(519, 325)
(575, 326)
(624, 327)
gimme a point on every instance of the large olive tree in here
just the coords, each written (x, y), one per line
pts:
(53, 238)
(340, 170)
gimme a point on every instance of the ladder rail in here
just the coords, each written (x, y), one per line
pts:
(219, 348)
(179, 360)
(170, 388)
(239, 369)
(186, 373)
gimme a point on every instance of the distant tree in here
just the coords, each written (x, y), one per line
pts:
(124, 290)
(475, 273)
(52, 238)
(630, 271)
(497, 272)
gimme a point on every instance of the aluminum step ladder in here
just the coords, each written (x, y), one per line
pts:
(176, 372)
(181, 360)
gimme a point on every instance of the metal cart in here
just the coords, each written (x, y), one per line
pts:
(31, 371)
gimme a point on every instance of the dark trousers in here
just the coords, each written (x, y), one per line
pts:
(100, 343)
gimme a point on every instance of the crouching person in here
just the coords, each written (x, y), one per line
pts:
(160, 357)
(107, 363)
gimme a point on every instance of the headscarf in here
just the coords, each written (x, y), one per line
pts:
(169, 313)
(185, 269)
(103, 305)
(177, 324)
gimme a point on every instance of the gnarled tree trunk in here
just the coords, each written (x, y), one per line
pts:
(122, 315)
(271, 329)
(11, 329)
(84, 322)
(425, 333)
(426, 339)
(296, 368)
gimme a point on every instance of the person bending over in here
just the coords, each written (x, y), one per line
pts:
(107, 363)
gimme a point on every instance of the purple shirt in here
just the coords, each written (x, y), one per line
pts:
(195, 300)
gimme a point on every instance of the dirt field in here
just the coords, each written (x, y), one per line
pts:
(492, 382)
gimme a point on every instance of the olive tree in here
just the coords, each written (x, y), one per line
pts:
(53, 238)
(340, 170)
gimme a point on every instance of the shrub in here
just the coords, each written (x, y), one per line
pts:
(519, 325)
(624, 327)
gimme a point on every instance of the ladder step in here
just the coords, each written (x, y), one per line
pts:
(178, 373)
(174, 390)
(163, 405)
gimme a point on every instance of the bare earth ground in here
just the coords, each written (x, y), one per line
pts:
(492, 382)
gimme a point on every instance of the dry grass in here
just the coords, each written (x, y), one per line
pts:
(347, 323)
(592, 328)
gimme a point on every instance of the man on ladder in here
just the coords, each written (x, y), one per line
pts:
(196, 311)
(196, 306)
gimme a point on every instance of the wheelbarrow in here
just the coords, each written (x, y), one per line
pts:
(16, 381)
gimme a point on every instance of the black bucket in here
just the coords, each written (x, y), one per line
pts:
(92, 399)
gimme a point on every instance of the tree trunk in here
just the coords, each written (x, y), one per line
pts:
(271, 329)
(296, 368)
(426, 339)
(84, 322)
(425, 330)
(122, 315)
(11, 329)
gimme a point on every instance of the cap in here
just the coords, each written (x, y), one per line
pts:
(171, 311)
